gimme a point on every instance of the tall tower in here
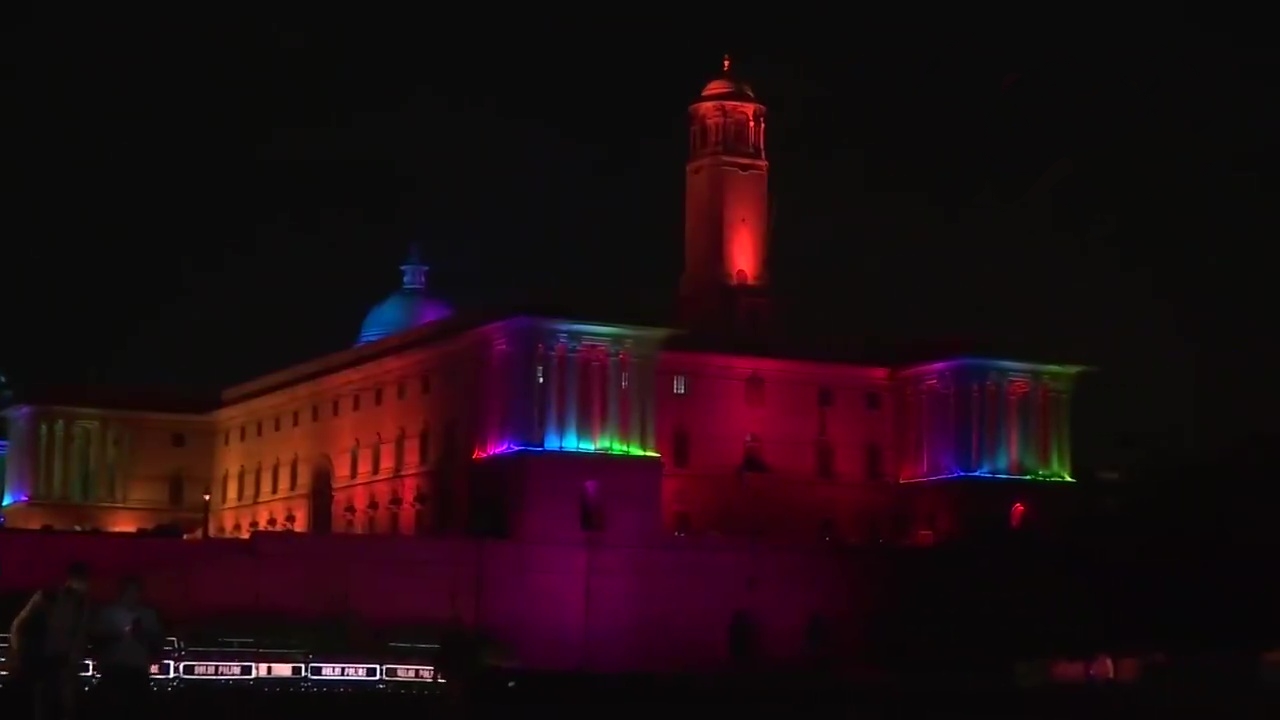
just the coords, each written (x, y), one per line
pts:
(726, 215)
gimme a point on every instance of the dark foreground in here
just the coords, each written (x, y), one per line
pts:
(742, 697)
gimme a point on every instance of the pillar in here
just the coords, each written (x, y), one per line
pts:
(635, 401)
(1063, 467)
(551, 398)
(647, 401)
(613, 388)
(573, 386)
(42, 463)
(59, 491)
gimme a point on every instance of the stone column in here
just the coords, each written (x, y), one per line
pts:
(1064, 434)
(59, 460)
(613, 387)
(634, 399)
(42, 463)
(573, 385)
(551, 434)
(648, 402)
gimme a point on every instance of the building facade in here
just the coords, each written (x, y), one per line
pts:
(436, 422)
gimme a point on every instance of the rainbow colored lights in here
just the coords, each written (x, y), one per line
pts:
(1038, 477)
(986, 420)
(610, 449)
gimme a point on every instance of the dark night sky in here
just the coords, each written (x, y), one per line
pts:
(205, 204)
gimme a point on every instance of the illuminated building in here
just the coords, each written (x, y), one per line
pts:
(561, 432)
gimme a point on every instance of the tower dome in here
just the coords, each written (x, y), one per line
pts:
(725, 87)
(405, 309)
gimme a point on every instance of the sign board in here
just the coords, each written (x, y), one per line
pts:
(216, 671)
(335, 671)
(409, 673)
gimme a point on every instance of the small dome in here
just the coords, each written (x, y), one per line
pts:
(407, 308)
(726, 88)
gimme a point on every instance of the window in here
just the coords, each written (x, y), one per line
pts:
(240, 485)
(257, 482)
(825, 459)
(242, 434)
(875, 463)
(226, 481)
(178, 440)
(275, 478)
(177, 490)
(425, 385)
(591, 518)
(354, 464)
(315, 413)
(355, 402)
(377, 397)
(397, 454)
(826, 398)
(753, 454)
(293, 474)
(755, 391)
(680, 449)
(336, 407)
(683, 523)
(538, 374)
(400, 391)
(226, 438)
(626, 379)
(678, 385)
(295, 418)
(259, 428)
(375, 453)
(873, 400)
(276, 423)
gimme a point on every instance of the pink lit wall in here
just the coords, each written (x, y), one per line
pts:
(551, 605)
(717, 411)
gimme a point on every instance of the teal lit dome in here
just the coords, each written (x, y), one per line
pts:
(407, 308)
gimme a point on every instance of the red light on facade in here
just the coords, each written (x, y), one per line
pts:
(1016, 515)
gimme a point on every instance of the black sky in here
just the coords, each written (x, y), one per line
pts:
(203, 203)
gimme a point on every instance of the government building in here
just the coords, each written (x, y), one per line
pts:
(442, 423)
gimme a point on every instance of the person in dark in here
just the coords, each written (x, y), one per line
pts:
(48, 639)
(127, 639)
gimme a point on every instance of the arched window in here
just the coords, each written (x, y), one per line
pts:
(353, 468)
(275, 477)
(375, 454)
(293, 474)
(257, 482)
(240, 484)
(226, 481)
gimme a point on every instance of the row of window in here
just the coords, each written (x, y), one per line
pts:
(353, 468)
(402, 392)
(753, 459)
(754, 389)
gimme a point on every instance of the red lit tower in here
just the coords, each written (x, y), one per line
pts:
(726, 225)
